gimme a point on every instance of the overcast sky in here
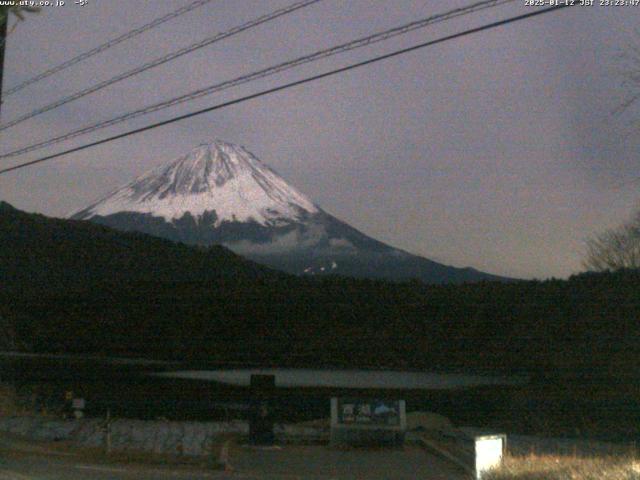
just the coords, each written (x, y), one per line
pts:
(497, 151)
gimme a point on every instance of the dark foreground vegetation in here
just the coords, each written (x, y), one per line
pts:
(74, 287)
(557, 467)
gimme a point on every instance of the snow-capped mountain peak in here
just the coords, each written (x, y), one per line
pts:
(221, 194)
(218, 177)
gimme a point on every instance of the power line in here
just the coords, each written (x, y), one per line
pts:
(162, 60)
(321, 54)
(107, 45)
(292, 84)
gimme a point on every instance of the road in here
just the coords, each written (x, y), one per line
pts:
(56, 469)
(24, 461)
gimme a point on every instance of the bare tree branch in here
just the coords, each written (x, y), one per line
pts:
(616, 248)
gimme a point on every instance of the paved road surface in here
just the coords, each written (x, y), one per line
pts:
(55, 469)
(409, 463)
(290, 463)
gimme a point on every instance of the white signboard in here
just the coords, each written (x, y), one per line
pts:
(367, 421)
(489, 450)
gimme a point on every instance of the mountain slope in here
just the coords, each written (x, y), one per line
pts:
(220, 193)
(46, 254)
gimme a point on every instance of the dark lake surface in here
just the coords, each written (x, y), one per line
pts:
(139, 389)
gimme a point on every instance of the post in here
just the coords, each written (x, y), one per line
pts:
(3, 43)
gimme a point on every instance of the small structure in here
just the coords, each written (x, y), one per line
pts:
(367, 422)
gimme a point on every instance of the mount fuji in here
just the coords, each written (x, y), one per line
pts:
(220, 193)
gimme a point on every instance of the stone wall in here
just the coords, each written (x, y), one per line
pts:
(175, 438)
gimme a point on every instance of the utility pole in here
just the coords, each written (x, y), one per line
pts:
(3, 43)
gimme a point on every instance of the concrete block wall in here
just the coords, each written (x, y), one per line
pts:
(175, 438)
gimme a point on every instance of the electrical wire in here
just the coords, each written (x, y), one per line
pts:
(161, 60)
(293, 84)
(321, 54)
(105, 46)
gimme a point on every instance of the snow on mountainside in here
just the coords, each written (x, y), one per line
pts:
(218, 177)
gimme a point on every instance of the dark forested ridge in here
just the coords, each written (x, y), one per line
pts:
(71, 286)
(41, 253)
